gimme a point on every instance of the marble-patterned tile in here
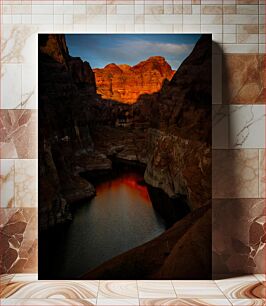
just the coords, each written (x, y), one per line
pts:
(235, 173)
(5, 279)
(26, 183)
(248, 302)
(238, 235)
(117, 302)
(10, 85)
(118, 289)
(220, 124)
(18, 43)
(18, 129)
(243, 78)
(242, 287)
(18, 236)
(197, 289)
(7, 183)
(262, 174)
(184, 302)
(51, 290)
(156, 289)
(261, 277)
(29, 84)
(247, 126)
(48, 302)
(25, 277)
(19, 56)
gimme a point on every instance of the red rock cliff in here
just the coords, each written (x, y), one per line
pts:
(125, 84)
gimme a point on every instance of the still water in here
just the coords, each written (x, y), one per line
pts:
(119, 218)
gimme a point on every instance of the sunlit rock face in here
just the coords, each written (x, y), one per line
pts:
(125, 84)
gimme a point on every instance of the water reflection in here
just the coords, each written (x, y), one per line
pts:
(119, 218)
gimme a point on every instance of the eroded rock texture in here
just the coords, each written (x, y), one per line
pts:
(67, 87)
(125, 84)
(169, 131)
(177, 152)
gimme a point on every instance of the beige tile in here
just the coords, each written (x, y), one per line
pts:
(212, 9)
(235, 173)
(156, 289)
(246, 126)
(26, 183)
(229, 28)
(25, 277)
(241, 287)
(262, 176)
(125, 9)
(163, 19)
(191, 19)
(117, 302)
(247, 1)
(184, 302)
(229, 38)
(96, 9)
(4, 281)
(197, 289)
(243, 78)
(240, 19)
(154, 9)
(260, 277)
(248, 302)
(48, 302)
(211, 19)
(187, 9)
(229, 9)
(118, 289)
(7, 180)
(247, 38)
(196, 9)
(18, 133)
(51, 290)
(247, 9)
(10, 83)
(248, 29)
(120, 19)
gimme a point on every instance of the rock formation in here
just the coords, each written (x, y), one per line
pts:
(168, 129)
(125, 84)
(66, 90)
(178, 158)
(182, 252)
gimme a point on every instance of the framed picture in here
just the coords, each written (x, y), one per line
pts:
(124, 156)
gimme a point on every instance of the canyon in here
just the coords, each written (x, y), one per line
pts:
(168, 130)
(126, 83)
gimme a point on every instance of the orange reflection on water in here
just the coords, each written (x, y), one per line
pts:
(132, 181)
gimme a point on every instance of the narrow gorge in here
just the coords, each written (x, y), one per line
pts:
(145, 126)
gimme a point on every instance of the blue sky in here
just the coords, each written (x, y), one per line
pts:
(102, 49)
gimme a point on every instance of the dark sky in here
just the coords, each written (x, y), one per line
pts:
(102, 49)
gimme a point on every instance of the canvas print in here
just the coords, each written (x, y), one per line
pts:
(124, 156)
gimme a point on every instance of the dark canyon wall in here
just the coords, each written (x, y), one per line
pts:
(66, 91)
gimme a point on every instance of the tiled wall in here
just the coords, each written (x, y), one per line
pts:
(238, 28)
